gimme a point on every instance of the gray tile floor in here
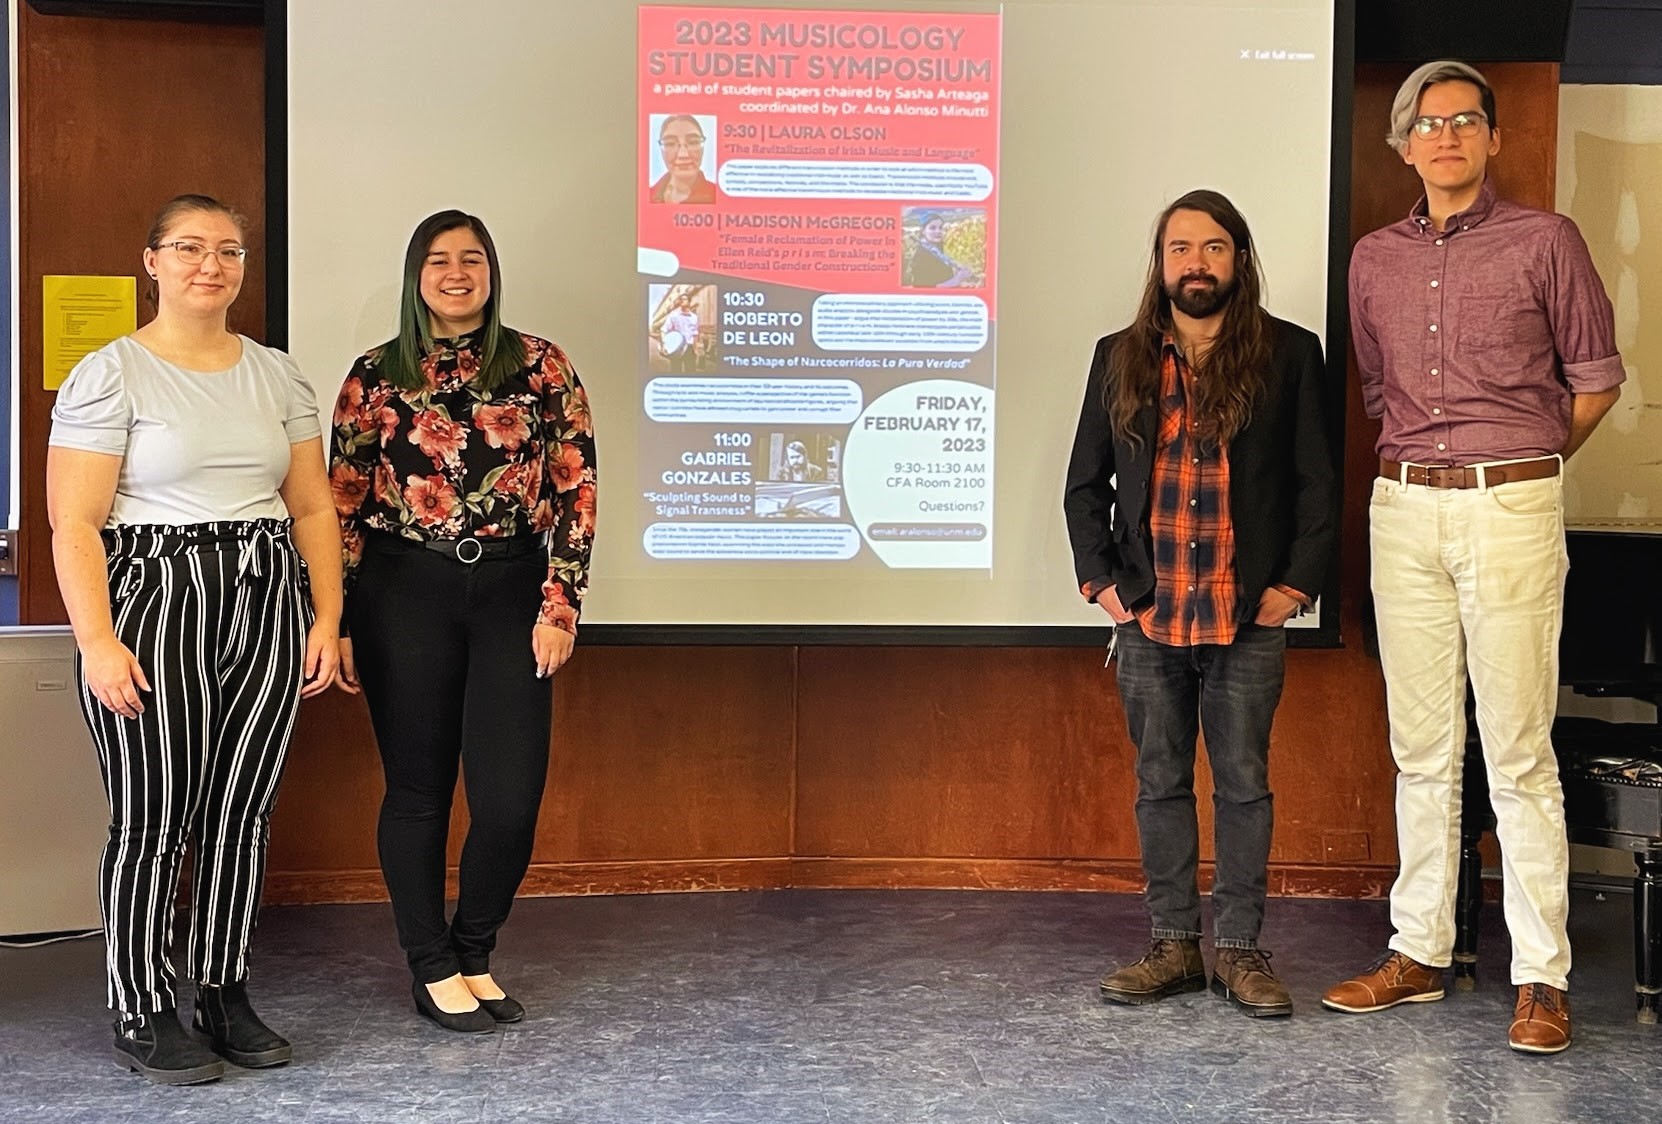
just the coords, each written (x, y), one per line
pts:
(770, 1008)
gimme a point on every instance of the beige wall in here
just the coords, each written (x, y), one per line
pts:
(1610, 182)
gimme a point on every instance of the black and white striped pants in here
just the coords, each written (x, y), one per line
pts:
(217, 615)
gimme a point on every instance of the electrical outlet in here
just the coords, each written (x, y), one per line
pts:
(8, 552)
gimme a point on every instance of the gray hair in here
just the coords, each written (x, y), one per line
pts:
(1406, 105)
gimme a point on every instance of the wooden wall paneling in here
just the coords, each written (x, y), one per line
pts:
(331, 792)
(115, 117)
(1330, 765)
(671, 769)
(962, 752)
(671, 753)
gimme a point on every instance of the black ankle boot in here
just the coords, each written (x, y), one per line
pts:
(158, 1047)
(226, 1021)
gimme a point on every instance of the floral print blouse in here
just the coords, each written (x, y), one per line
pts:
(451, 461)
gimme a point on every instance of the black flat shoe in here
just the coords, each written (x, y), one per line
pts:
(227, 1023)
(504, 1010)
(158, 1048)
(476, 1021)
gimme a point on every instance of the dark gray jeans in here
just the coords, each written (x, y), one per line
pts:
(1230, 692)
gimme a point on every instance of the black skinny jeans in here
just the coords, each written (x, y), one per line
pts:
(1229, 693)
(444, 654)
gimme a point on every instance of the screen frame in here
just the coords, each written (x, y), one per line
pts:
(1336, 354)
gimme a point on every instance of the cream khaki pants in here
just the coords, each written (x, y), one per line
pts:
(1471, 582)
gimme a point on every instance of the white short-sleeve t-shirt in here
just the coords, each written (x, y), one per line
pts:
(195, 446)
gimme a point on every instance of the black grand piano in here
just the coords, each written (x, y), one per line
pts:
(1612, 771)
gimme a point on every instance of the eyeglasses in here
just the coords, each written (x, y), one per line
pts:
(192, 253)
(691, 144)
(1465, 125)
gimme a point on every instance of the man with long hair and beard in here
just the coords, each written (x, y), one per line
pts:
(1202, 508)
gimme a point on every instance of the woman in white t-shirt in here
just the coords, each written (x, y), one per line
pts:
(188, 499)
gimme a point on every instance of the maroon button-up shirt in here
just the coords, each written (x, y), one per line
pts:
(1472, 340)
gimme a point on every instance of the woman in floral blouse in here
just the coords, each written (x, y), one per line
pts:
(463, 471)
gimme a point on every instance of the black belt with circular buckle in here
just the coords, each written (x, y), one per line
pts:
(471, 550)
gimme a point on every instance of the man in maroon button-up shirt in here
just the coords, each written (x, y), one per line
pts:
(1486, 345)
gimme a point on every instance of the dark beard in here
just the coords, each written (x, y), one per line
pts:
(1202, 302)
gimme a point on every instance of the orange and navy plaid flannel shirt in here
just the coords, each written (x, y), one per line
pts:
(1191, 537)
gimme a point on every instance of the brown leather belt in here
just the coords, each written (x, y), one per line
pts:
(1448, 476)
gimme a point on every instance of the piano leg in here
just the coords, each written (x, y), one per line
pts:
(1475, 816)
(1647, 936)
(1468, 908)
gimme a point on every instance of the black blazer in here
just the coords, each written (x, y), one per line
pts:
(1283, 492)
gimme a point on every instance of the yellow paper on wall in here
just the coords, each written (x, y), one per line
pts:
(79, 315)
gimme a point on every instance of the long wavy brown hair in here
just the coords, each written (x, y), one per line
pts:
(1231, 375)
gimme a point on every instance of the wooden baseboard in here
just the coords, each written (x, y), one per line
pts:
(1120, 876)
(672, 877)
(1115, 876)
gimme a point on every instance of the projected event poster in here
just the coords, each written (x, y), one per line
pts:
(817, 226)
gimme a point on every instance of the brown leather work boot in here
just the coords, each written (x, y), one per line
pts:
(1243, 976)
(1541, 1020)
(1168, 968)
(1392, 979)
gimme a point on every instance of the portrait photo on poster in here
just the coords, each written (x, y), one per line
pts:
(804, 476)
(681, 332)
(944, 247)
(681, 160)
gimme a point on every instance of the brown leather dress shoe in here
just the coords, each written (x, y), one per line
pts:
(1541, 1020)
(1393, 978)
(1168, 968)
(1243, 977)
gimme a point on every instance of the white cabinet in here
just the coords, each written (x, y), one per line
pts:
(53, 817)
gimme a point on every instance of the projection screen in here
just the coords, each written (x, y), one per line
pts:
(831, 274)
